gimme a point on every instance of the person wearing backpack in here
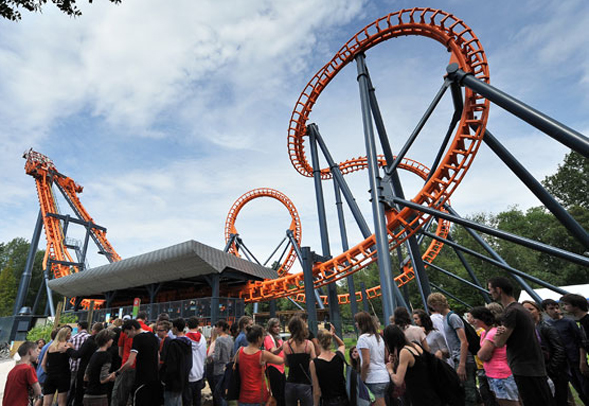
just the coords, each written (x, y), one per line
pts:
(408, 363)
(455, 331)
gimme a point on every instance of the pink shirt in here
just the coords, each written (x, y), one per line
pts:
(268, 345)
(497, 366)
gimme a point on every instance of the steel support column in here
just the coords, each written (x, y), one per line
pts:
(334, 313)
(462, 258)
(365, 306)
(49, 293)
(38, 297)
(389, 290)
(307, 263)
(25, 279)
(342, 184)
(560, 132)
(272, 308)
(345, 244)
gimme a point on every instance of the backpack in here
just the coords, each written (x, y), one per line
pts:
(445, 380)
(474, 341)
(358, 393)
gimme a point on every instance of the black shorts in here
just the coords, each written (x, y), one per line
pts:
(59, 383)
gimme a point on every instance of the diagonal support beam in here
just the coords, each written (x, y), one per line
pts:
(537, 189)
(526, 242)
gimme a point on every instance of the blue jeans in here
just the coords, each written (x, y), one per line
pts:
(172, 398)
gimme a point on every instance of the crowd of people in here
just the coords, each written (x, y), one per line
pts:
(506, 353)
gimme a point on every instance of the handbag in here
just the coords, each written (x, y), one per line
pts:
(231, 380)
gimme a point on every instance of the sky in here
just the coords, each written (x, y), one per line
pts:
(167, 114)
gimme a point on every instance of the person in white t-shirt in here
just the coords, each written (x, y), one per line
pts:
(371, 349)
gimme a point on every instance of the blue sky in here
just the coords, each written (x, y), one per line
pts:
(166, 115)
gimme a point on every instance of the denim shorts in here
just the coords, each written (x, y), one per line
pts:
(504, 388)
(378, 389)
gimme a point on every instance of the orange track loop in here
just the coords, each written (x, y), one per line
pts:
(295, 224)
(465, 50)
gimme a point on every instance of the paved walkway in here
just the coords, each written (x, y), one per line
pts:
(5, 366)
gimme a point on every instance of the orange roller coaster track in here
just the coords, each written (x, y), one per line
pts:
(295, 224)
(465, 50)
(57, 256)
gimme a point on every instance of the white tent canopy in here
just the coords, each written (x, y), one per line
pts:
(546, 293)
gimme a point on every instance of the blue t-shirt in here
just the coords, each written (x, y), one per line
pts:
(240, 341)
(40, 372)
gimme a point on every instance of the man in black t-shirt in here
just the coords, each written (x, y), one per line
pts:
(145, 351)
(576, 305)
(524, 354)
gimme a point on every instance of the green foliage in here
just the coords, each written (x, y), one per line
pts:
(14, 255)
(570, 183)
(44, 331)
(8, 288)
(11, 9)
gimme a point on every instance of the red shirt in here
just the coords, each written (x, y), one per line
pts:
(144, 326)
(19, 381)
(126, 343)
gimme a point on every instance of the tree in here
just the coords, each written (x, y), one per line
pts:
(570, 183)
(10, 9)
(8, 288)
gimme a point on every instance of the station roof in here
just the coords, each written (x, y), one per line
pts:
(186, 261)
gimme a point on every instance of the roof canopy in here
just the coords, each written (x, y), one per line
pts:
(546, 293)
(183, 261)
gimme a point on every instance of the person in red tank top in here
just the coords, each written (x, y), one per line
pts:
(252, 363)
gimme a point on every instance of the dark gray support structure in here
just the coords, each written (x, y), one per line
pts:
(299, 253)
(511, 270)
(213, 281)
(307, 263)
(341, 182)
(537, 189)
(393, 166)
(458, 107)
(345, 244)
(401, 262)
(334, 313)
(458, 278)
(77, 303)
(49, 294)
(38, 297)
(392, 180)
(497, 257)
(389, 290)
(109, 296)
(445, 292)
(462, 258)
(365, 306)
(230, 242)
(526, 242)
(560, 132)
(25, 279)
(272, 309)
(152, 289)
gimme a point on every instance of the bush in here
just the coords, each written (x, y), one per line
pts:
(45, 330)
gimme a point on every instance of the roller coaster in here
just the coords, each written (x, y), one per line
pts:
(398, 221)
